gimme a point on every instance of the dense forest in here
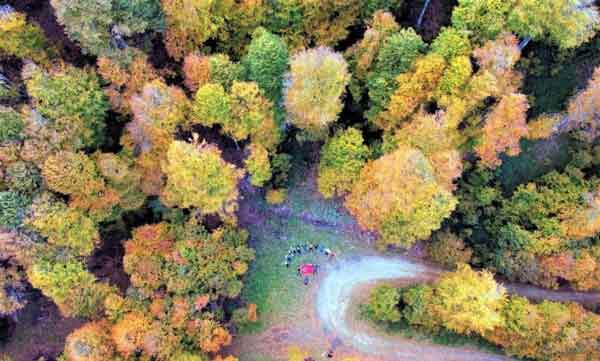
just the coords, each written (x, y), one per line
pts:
(134, 134)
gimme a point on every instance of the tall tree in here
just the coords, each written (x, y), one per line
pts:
(314, 87)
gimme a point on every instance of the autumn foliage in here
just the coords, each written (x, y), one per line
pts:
(314, 87)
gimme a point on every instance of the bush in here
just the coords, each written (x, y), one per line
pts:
(384, 304)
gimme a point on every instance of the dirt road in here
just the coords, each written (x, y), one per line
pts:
(338, 291)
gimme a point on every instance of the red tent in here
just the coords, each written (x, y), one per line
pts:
(307, 269)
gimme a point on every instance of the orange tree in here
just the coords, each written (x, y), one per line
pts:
(399, 196)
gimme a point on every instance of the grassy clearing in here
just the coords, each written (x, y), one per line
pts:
(275, 289)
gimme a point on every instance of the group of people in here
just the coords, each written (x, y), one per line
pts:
(299, 250)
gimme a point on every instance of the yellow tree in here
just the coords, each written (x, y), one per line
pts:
(415, 87)
(198, 177)
(191, 22)
(314, 87)
(468, 301)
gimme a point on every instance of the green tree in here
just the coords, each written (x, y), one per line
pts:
(198, 177)
(11, 124)
(95, 24)
(190, 23)
(314, 87)
(396, 56)
(266, 63)
(72, 173)
(72, 96)
(24, 178)
(451, 43)
(484, 19)
(64, 227)
(384, 303)
(566, 23)
(212, 105)
(252, 116)
(68, 283)
(342, 158)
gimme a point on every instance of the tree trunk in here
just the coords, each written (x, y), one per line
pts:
(422, 14)
(523, 43)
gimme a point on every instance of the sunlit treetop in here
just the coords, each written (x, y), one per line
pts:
(314, 88)
(198, 177)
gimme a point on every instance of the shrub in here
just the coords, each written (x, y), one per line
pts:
(384, 304)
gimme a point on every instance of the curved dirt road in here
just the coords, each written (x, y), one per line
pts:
(348, 277)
